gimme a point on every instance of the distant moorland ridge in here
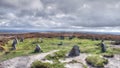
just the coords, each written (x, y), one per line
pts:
(4, 37)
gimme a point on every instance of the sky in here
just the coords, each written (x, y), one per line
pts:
(92, 15)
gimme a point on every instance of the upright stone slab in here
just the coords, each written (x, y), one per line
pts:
(62, 38)
(21, 39)
(103, 47)
(75, 51)
(14, 44)
(37, 49)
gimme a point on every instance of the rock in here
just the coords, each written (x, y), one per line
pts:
(21, 39)
(1, 48)
(14, 44)
(7, 52)
(62, 38)
(75, 51)
(108, 55)
(117, 42)
(15, 41)
(61, 43)
(37, 49)
(103, 47)
(71, 37)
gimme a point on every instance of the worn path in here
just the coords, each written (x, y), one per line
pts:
(23, 61)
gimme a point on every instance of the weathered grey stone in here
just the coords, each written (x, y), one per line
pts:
(14, 44)
(37, 48)
(62, 38)
(117, 42)
(71, 37)
(61, 43)
(103, 47)
(21, 39)
(75, 51)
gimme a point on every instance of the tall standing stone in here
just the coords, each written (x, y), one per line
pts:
(103, 47)
(62, 38)
(14, 44)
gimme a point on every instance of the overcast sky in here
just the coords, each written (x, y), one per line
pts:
(60, 14)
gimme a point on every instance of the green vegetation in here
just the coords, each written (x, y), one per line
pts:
(56, 56)
(86, 46)
(108, 55)
(39, 64)
(27, 47)
(75, 61)
(96, 61)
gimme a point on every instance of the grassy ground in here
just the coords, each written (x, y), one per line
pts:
(27, 47)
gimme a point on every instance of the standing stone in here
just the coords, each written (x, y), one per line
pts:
(117, 42)
(14, 44)
(21, 39)
(61, 43)
(75, 51)
(71, 37)
(1, 48)
(62, 38)
(37, 49)
(93, 38)
(103, 47)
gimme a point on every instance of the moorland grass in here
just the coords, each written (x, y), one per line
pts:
(27, 47)
(96, 61)
(39, 64)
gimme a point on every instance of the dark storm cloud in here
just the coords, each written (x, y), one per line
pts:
(59, 13)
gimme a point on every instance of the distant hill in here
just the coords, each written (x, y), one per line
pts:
(28, 31)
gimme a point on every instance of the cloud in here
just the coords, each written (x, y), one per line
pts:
(59, 14)
(22, 4)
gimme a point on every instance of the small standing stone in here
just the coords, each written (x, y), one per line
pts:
(21, 39)
(37, 49)
(75, 51)
(62, 38)
(71, 37)
(61, 43)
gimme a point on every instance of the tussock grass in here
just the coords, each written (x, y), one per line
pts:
(39, 64)
(96, 61)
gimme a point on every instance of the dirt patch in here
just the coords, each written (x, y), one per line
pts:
(24, 61)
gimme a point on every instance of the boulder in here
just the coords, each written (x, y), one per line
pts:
(21, 39)
(62, 38)
(103, 47)
(61, 43)
(71, 37)
(1, 48)
(37, 49)
(14, 44)
(75, 51)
